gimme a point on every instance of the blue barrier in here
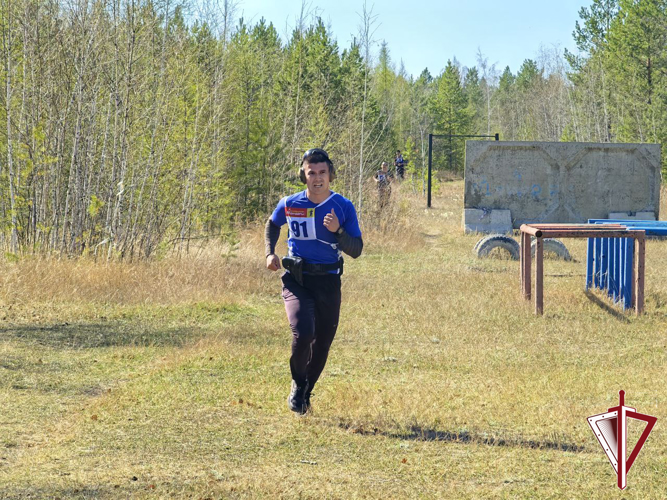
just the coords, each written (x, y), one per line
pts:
(609, 260)
(652, 227)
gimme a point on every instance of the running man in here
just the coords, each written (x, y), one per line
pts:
(321, 225)
(383, 180)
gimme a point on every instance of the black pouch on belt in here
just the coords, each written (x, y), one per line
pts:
(295, 266)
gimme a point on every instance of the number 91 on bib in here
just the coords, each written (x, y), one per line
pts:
(301, 222)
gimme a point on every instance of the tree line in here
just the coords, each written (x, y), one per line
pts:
(133, 127)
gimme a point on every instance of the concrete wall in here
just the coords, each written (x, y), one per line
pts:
(562, 181)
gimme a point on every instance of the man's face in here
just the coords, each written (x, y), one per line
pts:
(384, 167)
(317, 177)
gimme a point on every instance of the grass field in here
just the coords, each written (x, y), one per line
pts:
(169, 379)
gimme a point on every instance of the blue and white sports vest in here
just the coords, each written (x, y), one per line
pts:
(308, 238)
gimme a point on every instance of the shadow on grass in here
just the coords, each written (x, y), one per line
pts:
(418, 433)
(96, 492)
(95, 335)
(606, 307)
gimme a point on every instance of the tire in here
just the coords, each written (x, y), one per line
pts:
(484, 238)
(552, 246)
(488, 243)
(474, 249)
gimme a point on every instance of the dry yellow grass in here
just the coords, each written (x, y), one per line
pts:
(169, 379)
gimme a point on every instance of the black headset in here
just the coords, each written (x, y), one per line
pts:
(317, 151)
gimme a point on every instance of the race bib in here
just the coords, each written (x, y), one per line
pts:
(301, 222)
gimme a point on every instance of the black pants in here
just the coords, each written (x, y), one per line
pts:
(312, 310)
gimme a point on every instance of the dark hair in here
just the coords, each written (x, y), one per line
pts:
(316, 155)
(398, 150)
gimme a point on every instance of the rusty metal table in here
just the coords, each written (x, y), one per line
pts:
(540, 231)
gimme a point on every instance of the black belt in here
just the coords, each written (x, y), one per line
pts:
(322, 268)
(297, 266)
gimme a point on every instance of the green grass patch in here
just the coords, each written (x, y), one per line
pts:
(441, 383)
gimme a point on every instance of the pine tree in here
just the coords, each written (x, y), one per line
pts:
(476, 105)
(504, 100)
(637, 38)
(451, 113)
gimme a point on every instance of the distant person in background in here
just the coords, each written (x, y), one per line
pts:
(383, 181)
(399, 163)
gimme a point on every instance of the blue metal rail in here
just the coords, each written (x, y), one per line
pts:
(609, 260)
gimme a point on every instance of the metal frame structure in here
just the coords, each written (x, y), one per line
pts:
(540, 231)
(430, 155)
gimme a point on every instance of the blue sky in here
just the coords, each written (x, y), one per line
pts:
(426, 33)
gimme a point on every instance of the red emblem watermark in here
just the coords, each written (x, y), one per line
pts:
(611, 431)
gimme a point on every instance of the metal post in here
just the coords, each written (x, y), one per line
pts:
(497, 137)
(597, 269)
(430, 163)
(604, 263)
(629, 260)
(623, 278)
(525, 241)
(641, 255)
(620, 271)
(590, 258)
(521, 281)
(539, 276)
(527, 262)
(621, 429)
(611, 289)
(633, 291)
(609, 264)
